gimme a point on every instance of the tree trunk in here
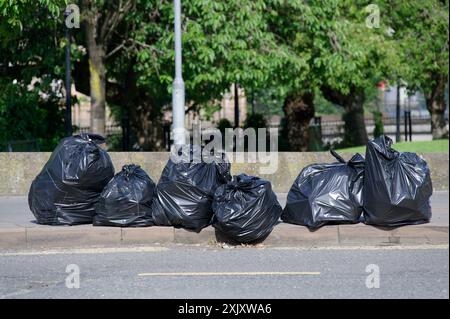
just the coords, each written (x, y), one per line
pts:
(97, 84)
(355, 132)
(435, 101)
(143, 115)
(299, 110)
(141, 126)
(97, 74)
(102, 20)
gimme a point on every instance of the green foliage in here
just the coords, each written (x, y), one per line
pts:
(325, 107)
(114, 142)
(337, 48)
(208, 110)
(33, 49)
(354, 123)
(354, 55)
(31, 63)
(26, 115)
(267, 100)
(379, 128)
(16, 15)
(283, 140)
(224, 42)
(342, 56)
(421, 31)
(315, 139)
(435, 146)
(223, 124)
(255, 121)
(286, 46)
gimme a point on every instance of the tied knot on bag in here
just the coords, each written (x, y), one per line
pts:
(94, 138)
(242, 182)
(357, 163)
(383, 145)
(129, 170)
(88, 145)
(79, 159)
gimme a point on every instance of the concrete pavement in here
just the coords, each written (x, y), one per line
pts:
(242, 272)
(18, 231)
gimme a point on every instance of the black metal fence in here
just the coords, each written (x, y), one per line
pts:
(326, 132)
(113, 132)
(411, 128)
(20, 146)
(115, 129)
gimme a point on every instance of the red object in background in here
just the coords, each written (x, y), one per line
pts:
(381, 85)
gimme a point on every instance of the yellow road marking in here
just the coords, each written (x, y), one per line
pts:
(271, 273)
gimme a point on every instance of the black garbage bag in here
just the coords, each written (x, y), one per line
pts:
(326, 193)
(397, 186)
(186, 188)
(246, 209)
(126, 200)
(69, 185)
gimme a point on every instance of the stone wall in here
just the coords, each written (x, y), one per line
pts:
(17, 170)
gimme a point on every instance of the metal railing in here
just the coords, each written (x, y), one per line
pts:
(20, 146)
(330, 132)
(110, 129)
(412, 126)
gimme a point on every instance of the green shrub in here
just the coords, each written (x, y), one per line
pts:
(223, 124)
(379, 128)
(255, 120)
(26, 116)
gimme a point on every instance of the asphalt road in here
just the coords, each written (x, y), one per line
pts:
(215, 272)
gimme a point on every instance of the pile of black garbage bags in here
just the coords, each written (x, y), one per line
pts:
(78, 186)
(387, 189)
(68, 187)
(196, 189)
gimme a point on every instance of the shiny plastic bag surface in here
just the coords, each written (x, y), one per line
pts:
(186, 188)
(326, 194)
(397, 186)
(246, 209)
(126, 200)
(69, 185)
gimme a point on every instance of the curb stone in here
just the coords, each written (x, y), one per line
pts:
(283, 235)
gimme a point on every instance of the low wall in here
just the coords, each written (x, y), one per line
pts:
(17, 170)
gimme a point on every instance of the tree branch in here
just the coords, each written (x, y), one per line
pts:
(112, 21)
(334, 41)
(120, 46)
